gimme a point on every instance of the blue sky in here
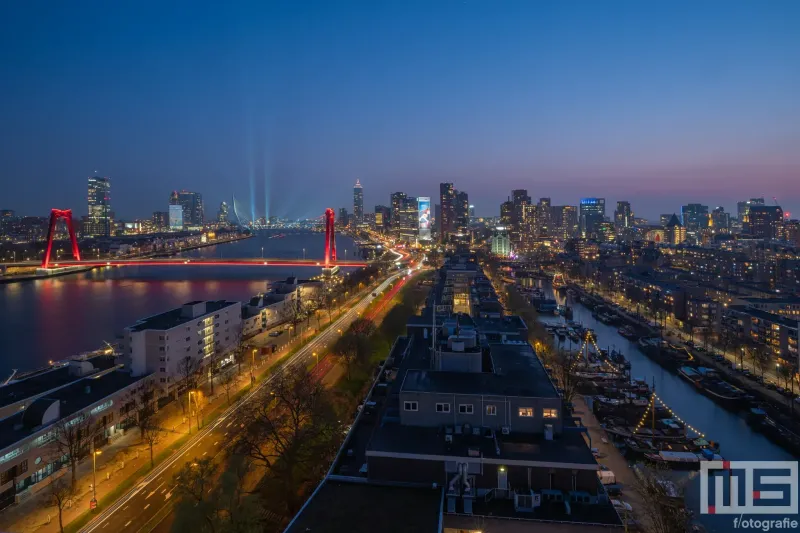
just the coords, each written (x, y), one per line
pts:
(285, 104)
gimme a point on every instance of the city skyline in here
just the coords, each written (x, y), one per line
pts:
(656, 105)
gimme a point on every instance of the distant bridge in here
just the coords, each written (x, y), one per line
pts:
(330, 260)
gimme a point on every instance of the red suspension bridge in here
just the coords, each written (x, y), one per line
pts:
(329, 261)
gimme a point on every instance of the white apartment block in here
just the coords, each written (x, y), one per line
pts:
(203, 331)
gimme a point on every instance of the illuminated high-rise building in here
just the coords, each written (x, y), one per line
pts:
(765, 221)
(358, 203)
(222, 214)
(192, 205)
(447, 199)
(462, 213)
(592, 213)
(694, 216)
(99, 222)
(623, 216)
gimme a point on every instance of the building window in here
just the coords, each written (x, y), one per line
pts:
(162, 369)
(442, 407)
(526, 412)
(549, 413)
(491, 410)
(411, 406)
(465, 408)
(160, 349)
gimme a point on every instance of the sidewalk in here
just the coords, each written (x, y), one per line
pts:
(126, 460)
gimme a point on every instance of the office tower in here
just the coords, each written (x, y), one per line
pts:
(501, 244)
(222, 214)
(675, 232)
(383, 216)
(99, 222)
(161, 220)
(742, 208)
(437, 214)
(424, 217)
(623, 216)
(791, 232)
(765, 221)
(192, 205)
(592, 213)
(664, 219)
(565, 221)
(506, 213)
(447, 199)
(358, 203)
(720, 220)
(406, 225)
(176, 217)
(462, 213)
(471, 213)
(520, 201)
(694, 216)
(396, 204)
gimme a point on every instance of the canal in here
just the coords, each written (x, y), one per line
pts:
(737, 440)
(55, 318)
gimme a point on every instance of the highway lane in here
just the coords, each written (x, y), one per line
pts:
(140, 506)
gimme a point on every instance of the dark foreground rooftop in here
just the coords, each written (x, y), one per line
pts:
(366, 508)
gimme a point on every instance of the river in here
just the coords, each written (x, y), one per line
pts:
(55, 318)
(737, 440)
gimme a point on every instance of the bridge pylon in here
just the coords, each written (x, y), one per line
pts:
(56, 214)
(330, 237)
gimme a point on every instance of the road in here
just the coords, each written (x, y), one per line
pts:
(146, 504)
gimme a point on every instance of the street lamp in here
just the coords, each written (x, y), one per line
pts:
(252, 366)
(316, 356)
(262, 252)
(95, 453)
(304, 254)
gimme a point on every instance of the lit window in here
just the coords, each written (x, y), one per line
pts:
(465, 408)
(491, 410)
(411, 406)
(550, 413)
(442, 407)
(526, 411)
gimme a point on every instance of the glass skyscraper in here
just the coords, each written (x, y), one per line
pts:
(358, 203)
(99, 222)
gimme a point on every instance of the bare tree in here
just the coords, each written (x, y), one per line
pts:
(228, 382)
(61, 495)
(563, 365)
(663, 509)
(353, 346)
(291, 432)
(209, 498)
(187, 371)
(144, 398)
(152, 434)
(73, 438)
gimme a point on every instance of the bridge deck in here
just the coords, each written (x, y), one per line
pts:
(171, 261)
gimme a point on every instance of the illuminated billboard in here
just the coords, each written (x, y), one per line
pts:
(424, 209)
(176, 217)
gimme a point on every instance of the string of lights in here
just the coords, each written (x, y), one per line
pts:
(679, 419)
(646, 411)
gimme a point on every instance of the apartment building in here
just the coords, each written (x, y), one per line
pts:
(202, 331)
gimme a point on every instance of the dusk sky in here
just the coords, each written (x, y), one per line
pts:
(656, 102)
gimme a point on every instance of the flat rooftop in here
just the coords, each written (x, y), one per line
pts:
(568, 448)
(517, 372)
(46, 380)
(74, 398)
(365, 508)
(176, 317)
